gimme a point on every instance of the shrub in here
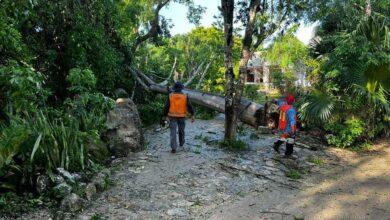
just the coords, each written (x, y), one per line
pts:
(251, 91)
(39, 141)
(345, 134)
(12, 204)
(152, 112)
(21, 88)
(204, 113)
(81, 80)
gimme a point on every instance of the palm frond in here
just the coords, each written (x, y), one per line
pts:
(316, 107)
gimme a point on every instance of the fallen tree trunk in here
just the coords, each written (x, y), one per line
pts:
(249, 112)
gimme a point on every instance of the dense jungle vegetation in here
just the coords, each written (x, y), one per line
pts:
(63, 63)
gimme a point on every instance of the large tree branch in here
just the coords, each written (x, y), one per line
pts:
(193, 75)
(143, 76)
(135, 75)
(203, 75)
(247, 41)
(154, 25)
(264, 33)
(166, 81)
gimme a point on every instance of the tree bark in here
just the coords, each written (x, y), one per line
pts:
(230, 113)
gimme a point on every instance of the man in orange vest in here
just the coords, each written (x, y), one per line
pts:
(176, 109)
(288, 126)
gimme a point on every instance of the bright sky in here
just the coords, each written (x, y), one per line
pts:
(178, 14)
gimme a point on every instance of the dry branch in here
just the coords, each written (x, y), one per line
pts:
(203, 75)
(194, 74)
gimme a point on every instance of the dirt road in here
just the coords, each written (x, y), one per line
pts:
(202, 181)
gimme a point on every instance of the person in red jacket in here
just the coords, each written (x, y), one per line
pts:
(287, 125)
(176, 109)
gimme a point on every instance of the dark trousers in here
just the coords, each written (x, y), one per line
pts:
(177, 125)
(289, 147)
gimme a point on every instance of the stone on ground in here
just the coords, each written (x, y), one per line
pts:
(72, 203)
(124, 128)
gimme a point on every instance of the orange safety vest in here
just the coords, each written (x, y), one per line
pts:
(177, 105)
(282, 116)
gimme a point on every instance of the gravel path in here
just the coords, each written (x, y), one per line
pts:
(203, 181)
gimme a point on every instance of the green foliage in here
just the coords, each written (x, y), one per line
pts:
(352, 81)
(42, 138)
(200, 46)
(58, 63)
(13, 205)
(152, 112)
(234, 145)
(251, 91)
(345, 134)
(287, 51)
(316, 107)
(204, 113)
(11, 141)
(294, 174)
(11, 45)
(292, 57)
(81, 80)
(96, 217)
(22, 87)
(317, 160)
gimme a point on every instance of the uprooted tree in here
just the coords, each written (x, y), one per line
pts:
(261, 19)
(249, 112)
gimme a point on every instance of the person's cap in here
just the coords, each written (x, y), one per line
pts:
(178, 87)
(290, 99)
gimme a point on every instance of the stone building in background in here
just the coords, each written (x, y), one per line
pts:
(260, 72)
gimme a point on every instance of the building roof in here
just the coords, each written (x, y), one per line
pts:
(256, 61)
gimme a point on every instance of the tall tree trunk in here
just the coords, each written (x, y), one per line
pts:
(235, 88)
(245, 56)
(230, 113)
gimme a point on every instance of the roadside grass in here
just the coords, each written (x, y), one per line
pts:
(234, 145)
(317, 161)
(294, 174)
(197, 202)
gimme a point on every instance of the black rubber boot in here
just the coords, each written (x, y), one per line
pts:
(289, 149)
(277, 145)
